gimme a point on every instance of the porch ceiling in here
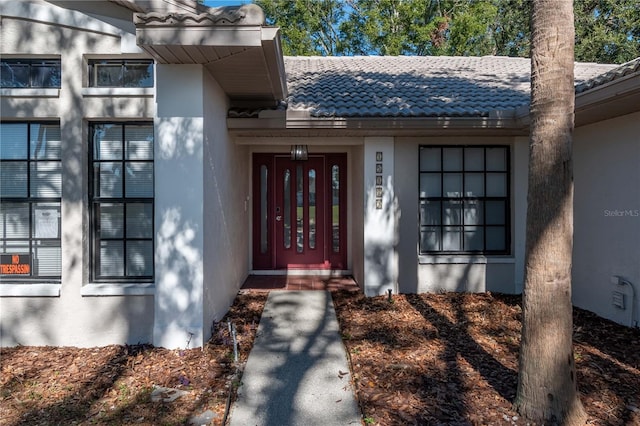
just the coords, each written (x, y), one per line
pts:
(243, 56)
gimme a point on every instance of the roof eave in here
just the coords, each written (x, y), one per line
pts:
(243, 56)
(614, 99)
(293, 124)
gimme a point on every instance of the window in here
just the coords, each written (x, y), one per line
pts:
(30, 73)
(121, 195)
(120, 73)
(30, 190)
(464, 199)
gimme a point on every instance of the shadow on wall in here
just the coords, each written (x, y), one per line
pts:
(381, 235)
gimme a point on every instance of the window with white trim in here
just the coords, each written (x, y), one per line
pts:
(120, 73)
(122, 202)
(30, 196)
(464, 199)
(30, 73)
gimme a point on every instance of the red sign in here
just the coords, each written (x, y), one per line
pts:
(15, 264)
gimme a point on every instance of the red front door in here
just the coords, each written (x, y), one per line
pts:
(299, 208)
(299, 219)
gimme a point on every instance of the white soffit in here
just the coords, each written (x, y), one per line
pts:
(231, 42)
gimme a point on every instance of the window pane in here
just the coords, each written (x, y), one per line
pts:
(264, 213)
(497, 159)
(430, 239)
(473, 212)
(495, 212)
(108, 75)
(451, 239)
(452, 159)
(287, 209)
(14, 75)
(430, 185)
(108, 182)
(139, 142)
(139, 180)
(138, 74)
(474, 184)
(47, 259)
(430, 159)
(496, 238)
(452, 184)
(111, 218)
(430, 213)
(46, 179)
(312, 209)
(15, 247)
(107, 142)
(46, 220)
(452, 212)
(45, 142)
(139, 220)
(299, 209)
(139, 258)
(45, 74)
(474, 159)
(473, 238)
(13, 179)
(110, 259)
(13, 141)
(335, 207)
(14, 220)
(496, 185)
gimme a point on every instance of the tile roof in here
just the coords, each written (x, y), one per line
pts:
(413, 86)
(614, 74)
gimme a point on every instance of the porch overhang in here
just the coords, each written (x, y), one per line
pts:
(243, 56)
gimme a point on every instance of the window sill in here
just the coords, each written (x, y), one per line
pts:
(463, 259)
(30, 93)
(118, 91)
(99, 289)
(30, 290)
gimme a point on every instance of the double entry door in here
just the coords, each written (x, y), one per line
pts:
(299, 214)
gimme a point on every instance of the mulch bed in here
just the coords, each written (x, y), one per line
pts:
(113, 385)
(418, 359)
(443, 359)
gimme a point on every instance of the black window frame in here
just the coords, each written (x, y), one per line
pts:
(482, 200)
(124, 79)
(32, 202)
(32, 65)
(97, 201)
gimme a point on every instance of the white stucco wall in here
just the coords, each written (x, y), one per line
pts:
(420, 274)
(381, 215)
(179, 206)
(72, 316)
(227, 205)
(607, 217)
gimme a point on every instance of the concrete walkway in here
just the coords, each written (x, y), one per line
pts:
(297, 372)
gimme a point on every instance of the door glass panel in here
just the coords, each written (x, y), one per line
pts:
(335, 208)
(299, 210)
(264, 242)
(287, 209)
(312, 208)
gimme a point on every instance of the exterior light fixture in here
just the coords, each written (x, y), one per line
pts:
(299, 152)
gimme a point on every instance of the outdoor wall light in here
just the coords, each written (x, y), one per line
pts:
(299, 152)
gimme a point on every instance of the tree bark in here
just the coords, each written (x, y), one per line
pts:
(547, 390)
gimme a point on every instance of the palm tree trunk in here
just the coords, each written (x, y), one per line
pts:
(547, 390)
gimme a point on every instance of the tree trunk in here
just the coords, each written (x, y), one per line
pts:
(547, 390)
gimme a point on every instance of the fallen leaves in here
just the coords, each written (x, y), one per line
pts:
(452, 359)
(115, 384)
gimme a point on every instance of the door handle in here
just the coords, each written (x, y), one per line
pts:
(278, 218)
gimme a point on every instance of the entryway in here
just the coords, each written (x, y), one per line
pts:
(299, 212)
